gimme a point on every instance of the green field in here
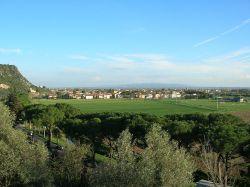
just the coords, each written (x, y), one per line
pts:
(158, 107)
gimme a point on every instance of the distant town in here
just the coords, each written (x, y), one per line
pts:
(237, 95)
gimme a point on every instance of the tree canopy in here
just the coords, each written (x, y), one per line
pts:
(21, 163)
(161, 163)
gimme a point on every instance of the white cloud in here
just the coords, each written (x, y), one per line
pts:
(149, 57)
(224, 70)
(135, 61)
(73, 70)
(206, 41)
(78, 57)
(228, 69)
(239, 55)
(97, 78)
(243, 23)
(248, 76)
(10, 51)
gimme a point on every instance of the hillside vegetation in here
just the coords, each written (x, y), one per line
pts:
(11, 80)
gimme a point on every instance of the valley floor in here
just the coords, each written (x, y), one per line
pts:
(157, 107)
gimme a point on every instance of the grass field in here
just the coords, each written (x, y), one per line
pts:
(157, 107)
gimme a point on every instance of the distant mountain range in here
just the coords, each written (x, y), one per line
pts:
(140, 86)
(130, 86)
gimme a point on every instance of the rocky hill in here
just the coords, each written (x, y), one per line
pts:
(12, 80)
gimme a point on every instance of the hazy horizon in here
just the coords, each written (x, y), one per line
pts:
(119, 42)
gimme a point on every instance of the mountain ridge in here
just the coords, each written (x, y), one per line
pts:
(11, 80)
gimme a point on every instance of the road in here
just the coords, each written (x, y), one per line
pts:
(35, 137)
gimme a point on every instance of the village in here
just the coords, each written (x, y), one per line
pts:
(114, 94)
(224, 95)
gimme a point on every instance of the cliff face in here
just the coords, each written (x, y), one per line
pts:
(12, 80)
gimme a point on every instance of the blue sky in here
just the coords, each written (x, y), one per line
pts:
(97, 43)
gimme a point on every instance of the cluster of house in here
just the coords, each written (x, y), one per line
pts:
(113, 94)
(132, 94)
(159, 95)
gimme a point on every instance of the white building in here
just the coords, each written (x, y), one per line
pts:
(118, 96)
(175, 94)
(107, 96)
(157, 96)
(149, 96)
(89, 97)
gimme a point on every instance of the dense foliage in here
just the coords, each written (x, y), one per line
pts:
(70, 170)
(161, 163)
(17, 102)
(21, 163)
(10, 76)
(147, 148)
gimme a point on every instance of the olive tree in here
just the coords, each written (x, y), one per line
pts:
(161, 163)
(21, 163)
(69, 169)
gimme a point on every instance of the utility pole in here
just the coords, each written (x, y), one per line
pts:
(44, 128)
(217, 103)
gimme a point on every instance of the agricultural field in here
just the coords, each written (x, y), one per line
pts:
(157, 107)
